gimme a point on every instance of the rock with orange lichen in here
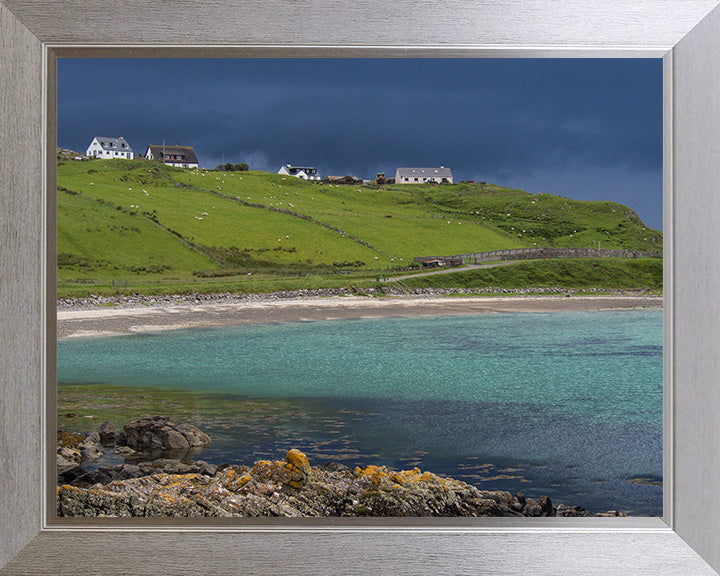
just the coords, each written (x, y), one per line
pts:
(297, 468)
(295, 489)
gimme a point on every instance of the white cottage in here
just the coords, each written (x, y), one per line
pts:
(106, 147)
(422, 175)
(304, 172)
(180, 156)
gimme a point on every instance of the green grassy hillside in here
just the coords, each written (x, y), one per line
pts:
(604, 273)
(140, 224)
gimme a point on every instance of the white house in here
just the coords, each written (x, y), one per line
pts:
(421, 175)
(180, 156)
(105, 147)
(304, 172)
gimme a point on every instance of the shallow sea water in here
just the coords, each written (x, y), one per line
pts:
(567, 404)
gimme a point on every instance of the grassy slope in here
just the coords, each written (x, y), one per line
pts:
(129, 220)
(603, 273)
(550, 220)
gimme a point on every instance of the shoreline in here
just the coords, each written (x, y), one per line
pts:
(91, 320)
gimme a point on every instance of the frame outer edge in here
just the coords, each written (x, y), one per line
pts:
(21, 227)
(25, 51)
(696, 117)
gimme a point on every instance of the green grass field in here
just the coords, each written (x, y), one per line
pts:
(582, 273)
(137, 226)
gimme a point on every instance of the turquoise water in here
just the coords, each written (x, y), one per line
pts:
(566, 404)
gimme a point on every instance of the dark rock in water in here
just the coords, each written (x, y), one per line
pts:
(335, 467)
(69, 474)
(546, 506)
(571, 511)
(542, 507)
(107, 433)
(158, 435)
(518, 502)
(91, 451)
(93, 437)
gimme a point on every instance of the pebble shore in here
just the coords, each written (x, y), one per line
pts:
(132, 301)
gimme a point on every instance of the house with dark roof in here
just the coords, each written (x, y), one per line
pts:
(180, 156)
(109, 147)
(439, 175)
(304, 172)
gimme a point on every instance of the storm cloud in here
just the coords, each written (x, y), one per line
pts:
(582, 128)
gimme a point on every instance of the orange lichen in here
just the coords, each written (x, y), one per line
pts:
(69, 439)
(297, 467)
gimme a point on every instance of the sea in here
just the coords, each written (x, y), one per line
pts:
(563, 404)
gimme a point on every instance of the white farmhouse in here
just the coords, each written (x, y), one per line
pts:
(180, 156)
(304, 172)
(421, 175)
(106, 147)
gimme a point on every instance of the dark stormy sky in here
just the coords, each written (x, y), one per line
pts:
(589, 129)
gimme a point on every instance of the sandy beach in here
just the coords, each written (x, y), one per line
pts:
(126, 320)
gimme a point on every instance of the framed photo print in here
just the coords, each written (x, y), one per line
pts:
(322, 290)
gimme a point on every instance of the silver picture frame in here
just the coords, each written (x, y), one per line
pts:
(684, 33)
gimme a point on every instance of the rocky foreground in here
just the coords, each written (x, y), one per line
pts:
(292, 488)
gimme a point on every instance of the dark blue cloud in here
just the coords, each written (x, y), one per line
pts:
(532, 121)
